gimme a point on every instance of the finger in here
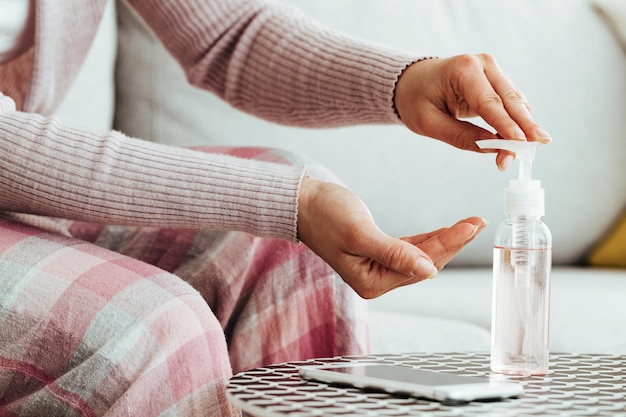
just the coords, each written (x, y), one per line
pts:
(516, 106)
(440, 242)
(417, 239)
(443, 247)
(478, 92)
(504, 159)
(382, 279)
(480, 224)
(400, 256)
(458, 133)
(464, 110)
(489, 93)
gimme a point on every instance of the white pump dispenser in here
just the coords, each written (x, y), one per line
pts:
(521, 271)
(524, 196)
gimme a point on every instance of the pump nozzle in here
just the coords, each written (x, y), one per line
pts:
(524, 196)
(524, 151)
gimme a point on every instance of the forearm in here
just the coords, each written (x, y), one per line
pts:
(272, 61)
(49, 169)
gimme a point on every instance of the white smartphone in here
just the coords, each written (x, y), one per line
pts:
(395, 379)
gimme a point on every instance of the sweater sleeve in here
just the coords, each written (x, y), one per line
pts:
(53, 170)
(270, 60)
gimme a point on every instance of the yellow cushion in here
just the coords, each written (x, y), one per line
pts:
(611, 251)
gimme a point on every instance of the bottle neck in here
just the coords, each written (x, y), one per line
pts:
(523, 217)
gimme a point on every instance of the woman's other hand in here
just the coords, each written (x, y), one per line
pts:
(338, 227)
(432, 96)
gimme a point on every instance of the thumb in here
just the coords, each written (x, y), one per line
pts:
(461, 134)
(402, 257)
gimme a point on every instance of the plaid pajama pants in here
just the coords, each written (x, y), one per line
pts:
(125, 321)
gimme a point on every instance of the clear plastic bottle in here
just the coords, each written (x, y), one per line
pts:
(520, 322)
(522, 261)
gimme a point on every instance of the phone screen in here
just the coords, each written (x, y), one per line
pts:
(441, 386)
(409, 375)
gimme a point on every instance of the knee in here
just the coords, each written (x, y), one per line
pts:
(177, 345)
(165, 319)
(108, 325)
(166, 350)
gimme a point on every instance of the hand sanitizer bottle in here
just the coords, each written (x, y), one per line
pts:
(522, 260)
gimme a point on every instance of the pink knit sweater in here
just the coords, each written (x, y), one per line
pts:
(265, 58)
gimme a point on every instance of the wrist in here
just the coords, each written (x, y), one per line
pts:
(308, 188)
(403, 96)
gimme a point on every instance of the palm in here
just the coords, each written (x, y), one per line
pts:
(337, 226)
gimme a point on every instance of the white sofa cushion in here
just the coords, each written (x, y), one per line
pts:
(587, 312)
(558, 51)
(90, 100)
(614, 13)
(393, 332)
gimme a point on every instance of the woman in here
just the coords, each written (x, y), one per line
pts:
(137, 277)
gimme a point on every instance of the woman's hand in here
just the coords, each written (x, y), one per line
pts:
(338, 227)
(433, 94)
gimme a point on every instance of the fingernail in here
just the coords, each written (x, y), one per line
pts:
(545, 136)
(472, 234)
(519, 133)
(424, 268)
(506, 161)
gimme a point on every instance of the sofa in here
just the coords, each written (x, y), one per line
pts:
(569, 58)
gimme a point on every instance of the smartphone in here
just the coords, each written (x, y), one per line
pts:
(396, 379)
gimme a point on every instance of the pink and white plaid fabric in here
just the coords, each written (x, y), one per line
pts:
(120, 321)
